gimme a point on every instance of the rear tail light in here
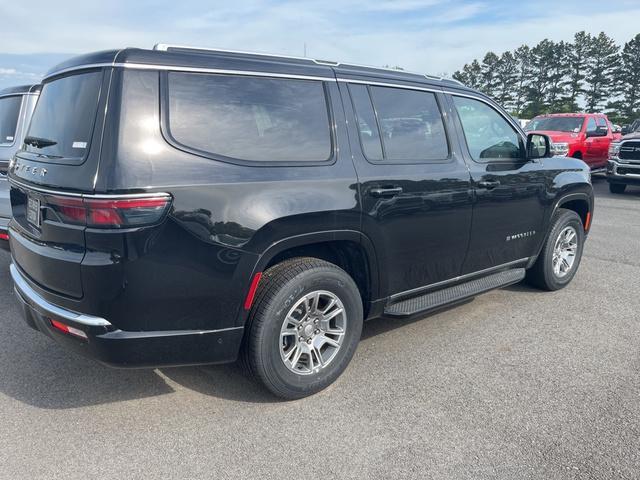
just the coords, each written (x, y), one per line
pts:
(4, 236)
(109, 213)
(64, 328)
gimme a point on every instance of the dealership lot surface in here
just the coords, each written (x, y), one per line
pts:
(516, 384)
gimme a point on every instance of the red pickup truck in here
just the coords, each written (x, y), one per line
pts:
(580, 135)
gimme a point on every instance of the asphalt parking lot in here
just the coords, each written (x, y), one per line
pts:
(516, 384)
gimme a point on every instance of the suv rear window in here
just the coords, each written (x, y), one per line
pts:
(9, 112)
(249, 118)
(63, 120)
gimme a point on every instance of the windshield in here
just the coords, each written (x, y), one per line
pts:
(556, 124)
(9, 111)
(63, 120)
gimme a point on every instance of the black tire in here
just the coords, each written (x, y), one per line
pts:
(617, 187)
(542, 275)
(280, 288)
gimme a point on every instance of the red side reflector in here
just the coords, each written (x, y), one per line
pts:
(4, 236)
(67, 329)
(587, 222)
(252, 291)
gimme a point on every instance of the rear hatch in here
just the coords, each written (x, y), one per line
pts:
(56, 165)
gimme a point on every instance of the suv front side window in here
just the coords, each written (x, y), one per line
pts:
(591, 125)
(489, 136)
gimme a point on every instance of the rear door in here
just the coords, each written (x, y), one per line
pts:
(59, 156)
(509, 190)
(592, 149)
(604, 141)
(415, 187)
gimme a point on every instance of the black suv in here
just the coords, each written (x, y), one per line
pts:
(183, 206)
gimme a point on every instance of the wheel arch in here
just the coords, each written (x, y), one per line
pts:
(577, 202)
(349, 249)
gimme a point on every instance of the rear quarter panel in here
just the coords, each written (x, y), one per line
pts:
(194, 270)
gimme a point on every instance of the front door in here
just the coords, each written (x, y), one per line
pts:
(509, 201)
(415, 187)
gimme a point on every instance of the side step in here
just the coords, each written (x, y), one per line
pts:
(446, 296)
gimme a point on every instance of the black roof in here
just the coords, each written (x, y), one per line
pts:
(21, 89)
(188, 57)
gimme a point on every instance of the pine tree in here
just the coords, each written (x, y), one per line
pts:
(599, 73)
(471, 75)
(559, 74)
(523, 77)
(506, 74)
(539, 80)
(628, 79)
(577, 55)
(488, 73)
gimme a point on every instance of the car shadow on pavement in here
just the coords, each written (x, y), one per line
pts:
(227, 382)
(36, 371)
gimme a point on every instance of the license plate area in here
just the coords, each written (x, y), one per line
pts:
(33, 211)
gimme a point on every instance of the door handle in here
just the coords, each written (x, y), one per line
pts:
(489, 184)
(385, 191)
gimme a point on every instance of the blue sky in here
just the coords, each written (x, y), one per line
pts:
(431, 36)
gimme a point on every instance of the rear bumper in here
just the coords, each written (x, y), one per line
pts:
(623, 173)
(118, 348)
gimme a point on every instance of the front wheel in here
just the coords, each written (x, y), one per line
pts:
(304, 327)
(560, 257)
(617, 187)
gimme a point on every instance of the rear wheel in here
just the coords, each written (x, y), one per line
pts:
(617, 187)
(304, 327)
(561, 254)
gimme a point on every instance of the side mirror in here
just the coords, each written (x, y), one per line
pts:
(625, 130)
(538, 146)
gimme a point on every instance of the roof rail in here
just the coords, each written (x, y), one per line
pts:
(169, 46)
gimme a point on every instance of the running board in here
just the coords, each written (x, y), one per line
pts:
(446, 296)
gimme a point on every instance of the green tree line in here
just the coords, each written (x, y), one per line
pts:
(590, 73)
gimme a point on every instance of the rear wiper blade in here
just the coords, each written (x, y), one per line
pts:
(39, 142)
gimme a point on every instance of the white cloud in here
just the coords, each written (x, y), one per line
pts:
(421, 35)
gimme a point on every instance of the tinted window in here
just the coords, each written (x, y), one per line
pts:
(9, 111)
(367, 125)
(411, 125)
(488, 134)
(556, 124)
(64, 116)
(601, 122)
(249, 118)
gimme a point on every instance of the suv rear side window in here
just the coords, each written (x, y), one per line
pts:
(489, 136)
(9, 112)
(250, 118)
(63, 120)
(410, 122)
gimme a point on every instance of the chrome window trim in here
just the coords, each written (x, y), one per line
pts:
(393, 85)
(175, 68)
(19, 93)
